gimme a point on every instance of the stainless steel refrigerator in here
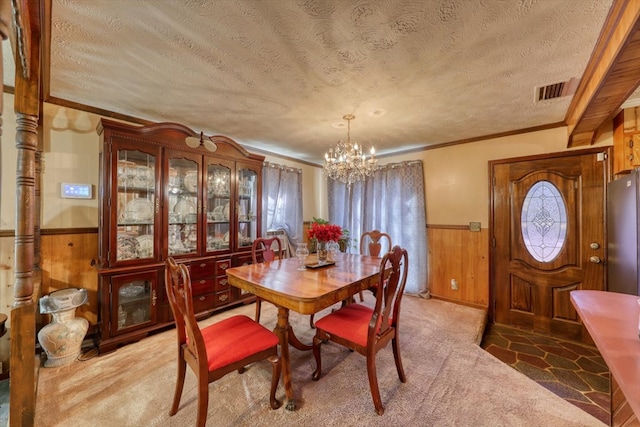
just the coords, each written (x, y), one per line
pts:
(623, 214)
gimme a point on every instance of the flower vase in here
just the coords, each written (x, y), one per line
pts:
(322, 252)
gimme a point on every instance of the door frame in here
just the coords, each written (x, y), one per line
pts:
(608, 152)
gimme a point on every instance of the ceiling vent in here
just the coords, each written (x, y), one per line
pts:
(556, 90)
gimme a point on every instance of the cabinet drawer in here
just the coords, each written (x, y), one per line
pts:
(222, 283)
(222, 265)
(202, 269)
(203, 286)
(204, 302)
(223, 298)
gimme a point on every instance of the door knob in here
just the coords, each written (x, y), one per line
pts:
(594, 245)
(595, 260)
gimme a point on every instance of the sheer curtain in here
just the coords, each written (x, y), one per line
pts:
(282, 200)
(392, 200)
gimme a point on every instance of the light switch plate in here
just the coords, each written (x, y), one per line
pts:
(474, 226)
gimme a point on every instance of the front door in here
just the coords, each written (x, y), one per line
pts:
(548, 222)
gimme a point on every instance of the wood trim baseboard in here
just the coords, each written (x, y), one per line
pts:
(447, 227)
(455, 301)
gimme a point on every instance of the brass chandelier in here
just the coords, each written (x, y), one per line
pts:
(345, 162)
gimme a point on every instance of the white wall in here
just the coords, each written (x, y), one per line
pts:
(70, 154)
(457, 177)
(8, 165)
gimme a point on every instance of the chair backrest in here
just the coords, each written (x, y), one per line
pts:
(370, 243)
(262, 249)
(179, 292)
(393, 275)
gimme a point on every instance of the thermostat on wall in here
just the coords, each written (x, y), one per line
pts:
(75, 191)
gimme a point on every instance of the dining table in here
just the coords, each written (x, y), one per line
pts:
(306, 291)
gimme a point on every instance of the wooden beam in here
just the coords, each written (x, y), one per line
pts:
(611, 76)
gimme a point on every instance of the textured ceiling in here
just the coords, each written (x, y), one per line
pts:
(278, 75)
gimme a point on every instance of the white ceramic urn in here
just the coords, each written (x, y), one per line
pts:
(62, 338)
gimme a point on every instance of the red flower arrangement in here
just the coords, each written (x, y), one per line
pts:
(324, 232)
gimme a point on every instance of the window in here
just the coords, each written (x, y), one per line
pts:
(282, 201)
(392, 200)
(544, 221)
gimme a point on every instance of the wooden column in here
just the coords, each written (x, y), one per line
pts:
(27, 107)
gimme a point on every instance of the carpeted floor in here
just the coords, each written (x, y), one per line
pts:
(452, 381)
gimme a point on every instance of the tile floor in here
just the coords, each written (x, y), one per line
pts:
(573, 371)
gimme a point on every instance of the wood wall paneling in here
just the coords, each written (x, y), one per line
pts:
(454, 253)
(67, 263)
(463, 255)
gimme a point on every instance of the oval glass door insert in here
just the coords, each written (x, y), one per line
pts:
(544, 221)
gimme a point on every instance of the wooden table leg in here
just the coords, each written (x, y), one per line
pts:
(294, 341)
(282, 330)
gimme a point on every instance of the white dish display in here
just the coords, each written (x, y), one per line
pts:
(127, 247)
(218, 213)
(190, 181)
(145, 248)
(131, 291)
(139, 210)
(226, 211)
(126, 170)
(143, 177)
(184, 208)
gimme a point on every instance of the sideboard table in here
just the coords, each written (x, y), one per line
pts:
(612, 321)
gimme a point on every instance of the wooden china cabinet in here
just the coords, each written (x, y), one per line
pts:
(160, 197)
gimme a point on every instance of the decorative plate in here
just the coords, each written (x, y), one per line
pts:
(226, 211)
(131, 291)
(139, 210)
(127, 247)
(218, 213)
(145, 248)
(184, 208)
(191, 181)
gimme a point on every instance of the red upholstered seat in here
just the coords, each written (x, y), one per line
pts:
(367, 330)
(350, 322)
(218, 349)
(234, 339)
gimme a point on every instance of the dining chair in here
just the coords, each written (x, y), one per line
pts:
(368, 330)
(261, 251)
(218, 349)
(371, 244)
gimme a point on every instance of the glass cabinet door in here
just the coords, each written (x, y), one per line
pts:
(247, 207)
(136, 205)
(133, 301)
(218, 207)
(183, 185)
